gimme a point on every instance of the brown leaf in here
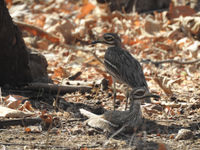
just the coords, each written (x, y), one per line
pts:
(152, 26)
(60, 72)
(85, 10)
(42, 44)
(40, 20)
(13, 101)
(109, 78)
(161, 146)
(11, 113)
(27, 130)
(128, 41)
(9, 3)
(120, 97)
(65, 29)
(26, 106)
(163, 85)
(47, 119)
(176, 11)
(150, 111)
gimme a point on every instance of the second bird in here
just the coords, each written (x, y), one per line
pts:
(120, 64)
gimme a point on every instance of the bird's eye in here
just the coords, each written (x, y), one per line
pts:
(139, 92)
(109, 38)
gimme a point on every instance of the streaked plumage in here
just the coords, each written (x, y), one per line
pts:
(120, 64)
(124, 68)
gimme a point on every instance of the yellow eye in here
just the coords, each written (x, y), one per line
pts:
(109, 38)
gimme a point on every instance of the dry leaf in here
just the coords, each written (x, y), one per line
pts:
(27, 130)
(37, 32)
(40, 21)
(85, 10)
(11, 113)
(162, 146)
(150, 111)
(13, 101)
(163, 85)
(120, 97)
(128, 41)
(109, 78)
(26, 106)
(152, 26)
(60, 72)
(65, 29)
(9, 3)
(176, 11)
(42, 44)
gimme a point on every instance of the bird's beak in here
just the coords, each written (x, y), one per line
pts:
(95, 42)
(99, 40)
(147, 95)
(151, 95)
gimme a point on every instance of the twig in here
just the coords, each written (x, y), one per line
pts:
(94, 54)
(157, 63)
(75, 76)
(19, 144)
(74, 48)
(132, 137)
(89, 146)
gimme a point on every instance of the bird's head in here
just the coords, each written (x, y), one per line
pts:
(110, 39)
(140, 94)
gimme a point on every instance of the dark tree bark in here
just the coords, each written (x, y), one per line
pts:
(140, 5)
(15, 60)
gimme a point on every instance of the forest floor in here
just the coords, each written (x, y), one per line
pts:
(64, 31)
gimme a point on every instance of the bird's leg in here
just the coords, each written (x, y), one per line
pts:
(127, 96)
(115, 93)
(114, 134)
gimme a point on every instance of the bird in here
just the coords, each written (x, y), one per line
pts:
(118, 121)
(121, 65)
(132, 119)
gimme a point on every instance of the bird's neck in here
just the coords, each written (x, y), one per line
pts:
(135, 105)
(118, 45)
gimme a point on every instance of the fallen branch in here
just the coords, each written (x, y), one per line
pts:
(157, 63)
(38, 146)
(37, 31)
(83, 83)
(53, 88)
(21, 121)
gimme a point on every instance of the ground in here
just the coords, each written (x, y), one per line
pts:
(153, 37)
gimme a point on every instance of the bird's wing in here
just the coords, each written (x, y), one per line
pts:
(111, 62)
(123, 66)
(132, 72)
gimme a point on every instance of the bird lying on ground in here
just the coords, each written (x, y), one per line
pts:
(122, 120)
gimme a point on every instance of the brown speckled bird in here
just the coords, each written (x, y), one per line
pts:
(121, 65)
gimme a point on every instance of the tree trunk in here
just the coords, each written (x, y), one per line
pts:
(141, 6)
(15, 59)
